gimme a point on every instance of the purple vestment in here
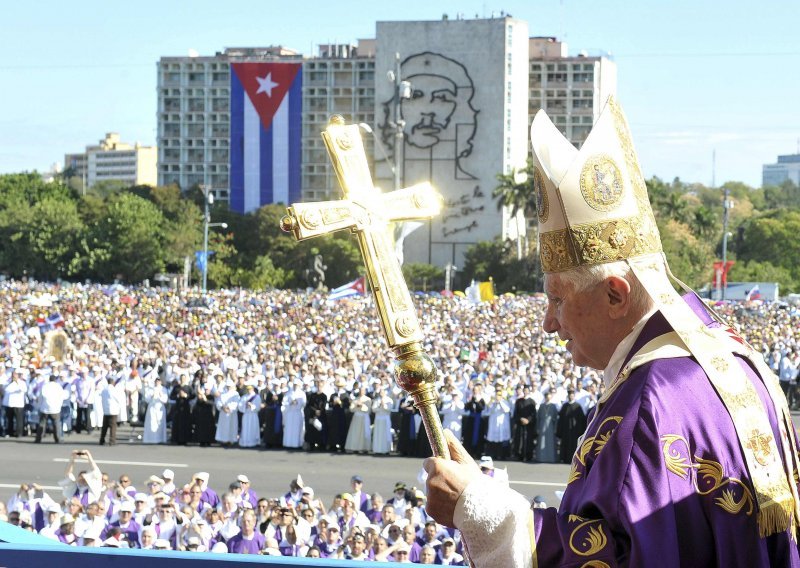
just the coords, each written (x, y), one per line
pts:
(240, 545)
(659, 478)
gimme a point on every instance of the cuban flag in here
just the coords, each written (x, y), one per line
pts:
(266, 130)
(355, 288)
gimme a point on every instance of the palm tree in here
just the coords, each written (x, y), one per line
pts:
(674, 206)
(515, 190)
(704, 222)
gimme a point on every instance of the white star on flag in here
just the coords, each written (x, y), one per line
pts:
(266, 84)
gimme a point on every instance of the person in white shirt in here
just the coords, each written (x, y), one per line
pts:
(50, 399)
(112, 399)
(14, 404)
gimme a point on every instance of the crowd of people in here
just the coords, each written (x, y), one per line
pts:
(95, 510)
(293, 370)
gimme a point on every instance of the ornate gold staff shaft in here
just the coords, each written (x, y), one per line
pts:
(367, 212)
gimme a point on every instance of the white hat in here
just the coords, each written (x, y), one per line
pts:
(54, 508)
(168, 474)
(307, 490)
(202, 476)
(92, 533)
(161, 544)
(242, 478)
(126, 506)
(486, 462)
(112, 542)
(140, 497)
(219, 548)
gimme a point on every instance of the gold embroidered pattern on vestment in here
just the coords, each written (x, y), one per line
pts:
(592, 444)
(710, 477)
(588, 537)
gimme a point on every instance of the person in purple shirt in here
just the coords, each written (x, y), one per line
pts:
(375, 511)
(126, 525)
(690, 456)
(209, 495)
(248, 541)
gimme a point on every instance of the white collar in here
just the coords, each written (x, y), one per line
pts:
(615, 363)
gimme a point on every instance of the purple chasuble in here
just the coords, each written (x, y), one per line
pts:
(240, 545)
(659, 478)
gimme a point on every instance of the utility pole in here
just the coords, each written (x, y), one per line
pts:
(726, 205)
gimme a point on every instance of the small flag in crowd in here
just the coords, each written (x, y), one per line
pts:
(356, 287)
(49, 323)
(753, 294)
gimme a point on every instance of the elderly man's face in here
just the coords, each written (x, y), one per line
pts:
(427, 556)
(581, 319)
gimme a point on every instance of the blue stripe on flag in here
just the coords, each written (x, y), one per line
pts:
(295, 136)
(236, 173)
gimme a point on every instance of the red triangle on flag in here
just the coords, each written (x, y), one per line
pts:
(360, 285)
(266, 84)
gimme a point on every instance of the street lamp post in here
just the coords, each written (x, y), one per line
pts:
(208, 199)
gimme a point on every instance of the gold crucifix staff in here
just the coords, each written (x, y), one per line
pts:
(367, 213)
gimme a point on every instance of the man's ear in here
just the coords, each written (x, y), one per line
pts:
(618, 291)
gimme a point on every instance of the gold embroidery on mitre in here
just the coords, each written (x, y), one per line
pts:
(601, 183)
(556, 251)
(542, 201)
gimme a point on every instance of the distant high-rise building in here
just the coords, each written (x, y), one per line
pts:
(787, 168)
(112, 160)
(571, 89)
(194, 120)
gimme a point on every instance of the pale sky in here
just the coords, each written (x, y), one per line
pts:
(693, 76)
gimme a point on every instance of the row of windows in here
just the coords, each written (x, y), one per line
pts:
(551, 67)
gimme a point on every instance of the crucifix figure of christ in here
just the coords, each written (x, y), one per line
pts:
(367, 212)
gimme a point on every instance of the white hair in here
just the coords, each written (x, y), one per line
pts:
(584, 277)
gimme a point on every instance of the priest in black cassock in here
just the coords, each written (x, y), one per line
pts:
(571, 425)
(524, 423)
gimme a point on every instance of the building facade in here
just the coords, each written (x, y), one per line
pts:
(493, 93)
(113, 160)
(787, 168)
(571, 89)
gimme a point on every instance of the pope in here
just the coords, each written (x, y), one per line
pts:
(690, 457)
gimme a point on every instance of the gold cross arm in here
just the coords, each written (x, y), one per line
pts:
(367, 212)
(417, 202)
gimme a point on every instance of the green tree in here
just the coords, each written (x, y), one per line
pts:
(772, 237)
(420, 275)
(130, 233)
(755, 271)
(263, 275)
(691, 259)
(54, 231)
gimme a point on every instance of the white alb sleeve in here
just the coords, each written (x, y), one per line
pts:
(496, 523)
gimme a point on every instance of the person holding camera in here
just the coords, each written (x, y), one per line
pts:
(88, 486)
